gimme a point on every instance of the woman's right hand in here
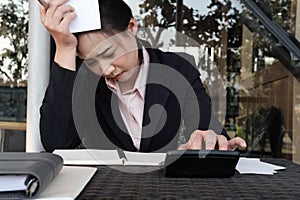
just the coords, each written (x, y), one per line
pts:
(57, 19)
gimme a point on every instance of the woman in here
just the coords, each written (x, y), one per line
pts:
(141, 95)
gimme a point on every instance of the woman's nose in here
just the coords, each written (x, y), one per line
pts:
(108, 71)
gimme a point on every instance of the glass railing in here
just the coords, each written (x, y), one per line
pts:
(254, 50)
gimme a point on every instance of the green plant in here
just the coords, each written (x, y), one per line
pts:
(14, 29)
(265, 123)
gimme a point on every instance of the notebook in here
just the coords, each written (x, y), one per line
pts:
(109, 157)
(26, 175)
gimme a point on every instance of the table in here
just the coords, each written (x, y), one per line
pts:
(109, 183)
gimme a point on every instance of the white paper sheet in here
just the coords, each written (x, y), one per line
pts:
(255, 166)
(68, 183)
(88, 15)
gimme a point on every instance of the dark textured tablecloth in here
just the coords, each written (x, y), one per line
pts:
(110, 183)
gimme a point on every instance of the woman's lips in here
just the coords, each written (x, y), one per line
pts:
(118, 76)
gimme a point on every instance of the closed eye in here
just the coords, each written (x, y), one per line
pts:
(109, 54)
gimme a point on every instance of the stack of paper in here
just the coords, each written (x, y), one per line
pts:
(255, 166)
(13, 183)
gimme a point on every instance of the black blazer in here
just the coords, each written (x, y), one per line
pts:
(79, 108)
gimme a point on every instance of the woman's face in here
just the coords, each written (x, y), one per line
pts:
(113, 57)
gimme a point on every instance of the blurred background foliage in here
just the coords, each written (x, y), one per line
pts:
(14, 31)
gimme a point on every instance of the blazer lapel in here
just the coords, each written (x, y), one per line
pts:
(155, 98)
(107, 101)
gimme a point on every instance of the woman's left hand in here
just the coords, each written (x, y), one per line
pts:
(209, 140)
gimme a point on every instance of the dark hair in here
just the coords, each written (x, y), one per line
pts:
(115, 15)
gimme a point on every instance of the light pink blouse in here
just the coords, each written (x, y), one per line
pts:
(131, 103)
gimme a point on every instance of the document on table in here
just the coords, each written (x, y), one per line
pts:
(109, 157)
(68, 183)
(87, 15)
(255, 166)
